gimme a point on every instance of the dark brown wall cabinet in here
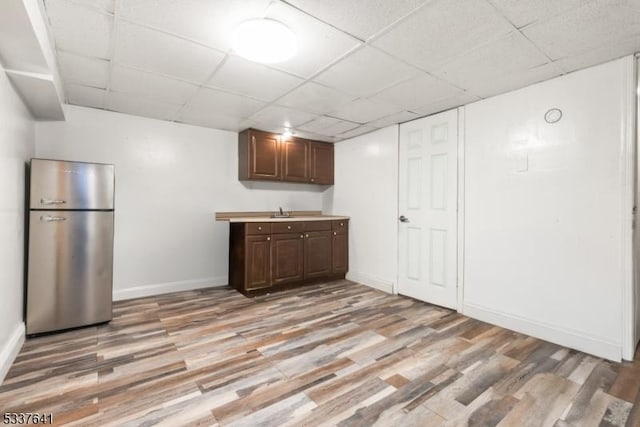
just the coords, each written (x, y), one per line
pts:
(266, 256)
(267, 156)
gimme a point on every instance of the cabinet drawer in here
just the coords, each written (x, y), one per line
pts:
(341, 224)
(258, 228)
(287, 227)
(317, 226)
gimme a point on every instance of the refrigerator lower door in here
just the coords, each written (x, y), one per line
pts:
(69, 281)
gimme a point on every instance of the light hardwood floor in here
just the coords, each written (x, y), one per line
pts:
(338, 353)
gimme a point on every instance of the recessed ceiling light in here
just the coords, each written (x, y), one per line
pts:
(264, 40)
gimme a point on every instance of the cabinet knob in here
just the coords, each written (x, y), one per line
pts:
(335, 234)
(268, 238)
(259, 228)
(342, 224)
(306, 235)
(301, 236)
(313, 180)
(288, 227)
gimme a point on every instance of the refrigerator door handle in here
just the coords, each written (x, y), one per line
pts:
(52, 218)
(52, 202)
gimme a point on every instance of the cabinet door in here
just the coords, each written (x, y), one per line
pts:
(321, 163)
(264, 156)
(258, 265)
(340, 252)
(317, 254)
(295, 160)
(287, 262)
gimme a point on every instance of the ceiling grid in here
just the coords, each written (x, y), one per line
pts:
(361, 65)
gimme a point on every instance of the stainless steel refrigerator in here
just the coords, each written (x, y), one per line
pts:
(70, 249)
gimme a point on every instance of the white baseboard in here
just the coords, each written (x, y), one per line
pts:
(566, 338)
(165, 288)
(371, 281)
(11, 349)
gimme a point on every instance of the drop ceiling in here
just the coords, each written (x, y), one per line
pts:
(361, 64)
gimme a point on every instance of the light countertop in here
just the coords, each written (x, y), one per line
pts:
(289, 219)
(268, 216)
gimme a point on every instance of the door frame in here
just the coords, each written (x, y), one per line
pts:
(460, 209)
(629, 192)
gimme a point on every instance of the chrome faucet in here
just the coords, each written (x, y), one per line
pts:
(281, 214)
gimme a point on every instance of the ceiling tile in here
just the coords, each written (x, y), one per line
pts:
(85, 96)
(416, 92)
(279, 116)
(366, 72)
(401, 117)
(315, 98)
(522, 13)
(442, 30)
(161, 53)
(151, 86)
(364, 111)
(445, 104)
(328, 126)
(211, 100)
(79, 29)
(591, 26)
(362, 18)
(319, 44)
(106, 5)
(314, 136)
(124, 103)
(516, 80)
(82, 70)
(610, 51)
(208, 22)
(252, 79)
(200, 117)
(481, 68)
(355, 132)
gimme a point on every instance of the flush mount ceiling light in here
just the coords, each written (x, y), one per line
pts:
(264, 40)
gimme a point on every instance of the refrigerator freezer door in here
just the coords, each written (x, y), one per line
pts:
(70, 185)
(69, 269)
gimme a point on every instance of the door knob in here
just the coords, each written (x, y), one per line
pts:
(403, 218)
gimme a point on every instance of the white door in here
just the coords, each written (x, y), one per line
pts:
(427, 236)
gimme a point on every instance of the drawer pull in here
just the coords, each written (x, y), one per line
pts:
(268, 238)
(288, 227)
(259, 228)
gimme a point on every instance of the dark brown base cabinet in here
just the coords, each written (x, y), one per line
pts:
(265, 256)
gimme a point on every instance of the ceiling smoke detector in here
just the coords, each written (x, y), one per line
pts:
(264, 40)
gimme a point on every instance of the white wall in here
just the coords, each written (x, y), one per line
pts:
(170, 179)
(16, 148)
(366, 189)
(543, 210)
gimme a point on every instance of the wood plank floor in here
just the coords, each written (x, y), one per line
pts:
(338, 353)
